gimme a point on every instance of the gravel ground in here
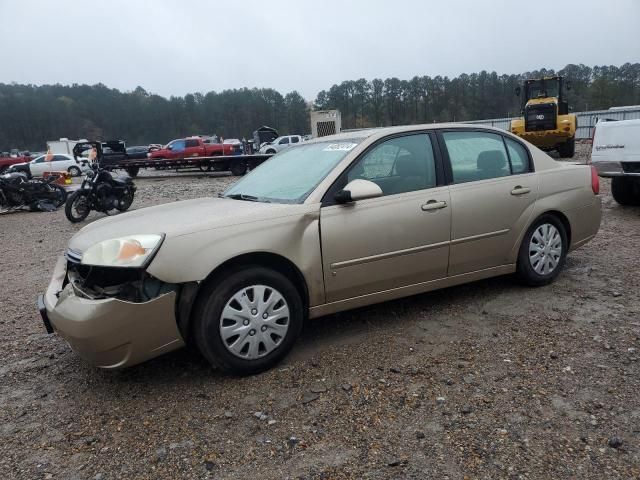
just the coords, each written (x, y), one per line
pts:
(486, 380)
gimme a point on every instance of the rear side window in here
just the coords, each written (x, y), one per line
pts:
(476, 156)
(59, 158)
(294, 139)
(518, 156)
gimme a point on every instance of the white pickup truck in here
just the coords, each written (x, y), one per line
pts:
(616, 153)
(281, 143)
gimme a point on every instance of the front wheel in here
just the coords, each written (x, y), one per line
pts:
(78, 206)
(74, 171)
(543, 251)
(248, 321)
(126, 200)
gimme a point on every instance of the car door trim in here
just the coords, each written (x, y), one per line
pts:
(387, 255)
(472, 238)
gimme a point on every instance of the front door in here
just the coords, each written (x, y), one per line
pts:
(493, 193)
(396, 240)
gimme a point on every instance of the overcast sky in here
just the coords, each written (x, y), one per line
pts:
(173, 47)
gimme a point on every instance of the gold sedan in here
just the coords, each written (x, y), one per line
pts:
(332, 224)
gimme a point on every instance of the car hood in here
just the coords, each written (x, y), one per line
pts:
(181, 218)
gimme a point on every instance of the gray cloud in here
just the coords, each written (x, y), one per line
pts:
(174, 47)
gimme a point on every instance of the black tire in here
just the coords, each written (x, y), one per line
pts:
(625, 190)
(133, 171)
(208, 311)
(60, 194)
(204, 166)
(525, 269)
(270, 151)
(126, 201)
(77, 207)
(238, 168)
(74, 171)
(567, 149)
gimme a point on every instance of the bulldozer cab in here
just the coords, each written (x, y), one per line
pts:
(546, 88)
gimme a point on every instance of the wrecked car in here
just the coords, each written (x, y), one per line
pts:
(335, 223)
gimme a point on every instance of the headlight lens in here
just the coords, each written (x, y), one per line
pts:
(130, 251)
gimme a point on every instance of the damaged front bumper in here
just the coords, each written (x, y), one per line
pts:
(109, 332)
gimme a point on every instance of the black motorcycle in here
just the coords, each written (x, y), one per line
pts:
(100, 191)
(18, 191)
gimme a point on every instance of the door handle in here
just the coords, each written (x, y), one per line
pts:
(433, 205)
(520, 190)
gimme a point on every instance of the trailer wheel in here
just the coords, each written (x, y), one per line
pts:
(133, 171)
(204, 166)
(238, 169)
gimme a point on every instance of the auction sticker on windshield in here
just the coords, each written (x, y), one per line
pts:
(339, 147)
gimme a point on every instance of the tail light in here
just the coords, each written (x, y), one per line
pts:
(595, 181)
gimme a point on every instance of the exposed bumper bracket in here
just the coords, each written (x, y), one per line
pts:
(43, 313)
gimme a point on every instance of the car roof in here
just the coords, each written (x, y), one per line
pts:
(383, 131)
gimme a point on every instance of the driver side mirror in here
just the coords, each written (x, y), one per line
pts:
(517, 91)
(170, 147)
(358, 189)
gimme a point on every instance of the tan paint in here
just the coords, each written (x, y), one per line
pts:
(372, 250)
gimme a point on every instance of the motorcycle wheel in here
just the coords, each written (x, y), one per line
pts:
(77, 207)
(126, 200)
(4, 203)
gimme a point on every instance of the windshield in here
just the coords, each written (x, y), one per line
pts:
(543, 88)
(290, 176)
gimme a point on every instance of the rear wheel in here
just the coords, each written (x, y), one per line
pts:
(77, 207)
(567, 149)
(543, 251)
(59, 194)
(625, 190)
(249, 321)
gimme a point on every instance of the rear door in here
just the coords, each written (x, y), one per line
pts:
(493, 192)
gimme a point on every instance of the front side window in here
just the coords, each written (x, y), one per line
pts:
(60, 158)
(399, 165)
(191, 143)
(39, 159)
(177, 145)
(284, 141)
(476, 156)
(291, 176)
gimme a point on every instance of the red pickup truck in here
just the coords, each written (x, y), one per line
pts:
(190, 147)
(6, 162)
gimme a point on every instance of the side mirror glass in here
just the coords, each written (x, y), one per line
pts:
(358, 189)
(517, 91)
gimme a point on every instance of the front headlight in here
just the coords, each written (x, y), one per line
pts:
(130, 251)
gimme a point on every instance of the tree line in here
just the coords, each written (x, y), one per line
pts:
(30, 115)
(473, 96)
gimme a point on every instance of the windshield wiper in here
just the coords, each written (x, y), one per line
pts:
(241, 196)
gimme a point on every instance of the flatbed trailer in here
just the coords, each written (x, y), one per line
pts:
(236, 164)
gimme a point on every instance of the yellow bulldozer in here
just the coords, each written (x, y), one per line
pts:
(546, 121)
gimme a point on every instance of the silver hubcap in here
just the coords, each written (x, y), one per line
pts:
(254, 322)
(545, 249)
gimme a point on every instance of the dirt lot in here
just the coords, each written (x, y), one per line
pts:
(487, 380)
